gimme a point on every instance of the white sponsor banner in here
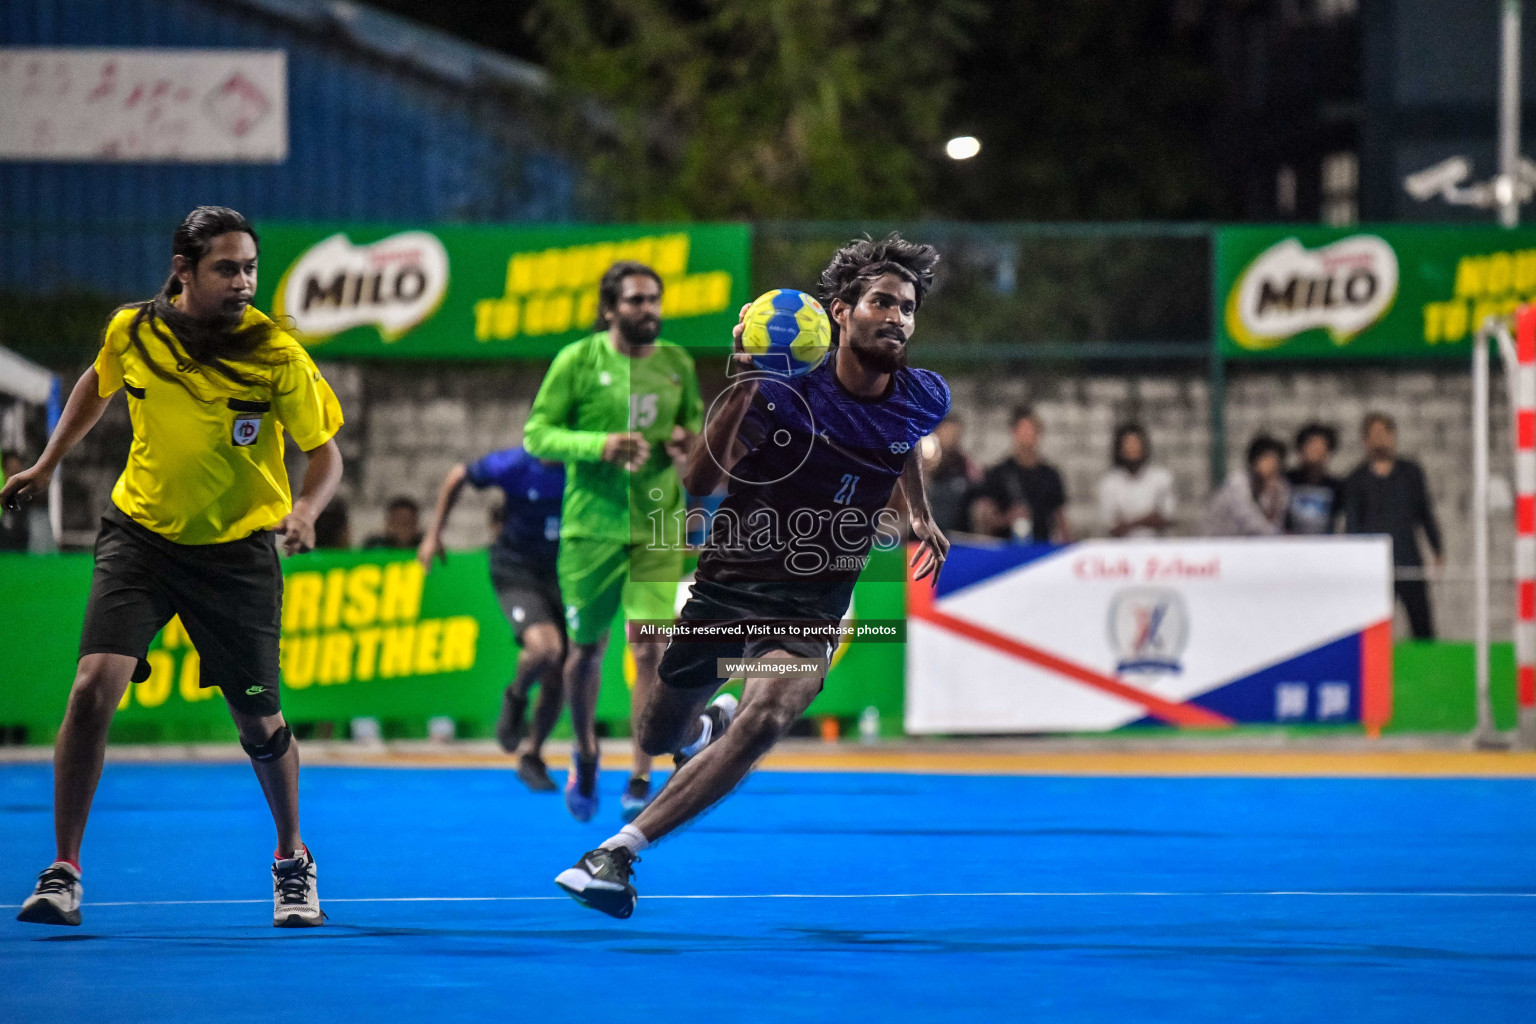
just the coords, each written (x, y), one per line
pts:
(1098, 635)
(1344, 287)
(125, 104)
(393, 284)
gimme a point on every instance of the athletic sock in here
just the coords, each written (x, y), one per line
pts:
(629, 837)
(706, 731)
(73, 864)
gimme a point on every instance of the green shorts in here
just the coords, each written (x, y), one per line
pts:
(597, 576)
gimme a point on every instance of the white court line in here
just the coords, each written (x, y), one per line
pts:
(846, 896)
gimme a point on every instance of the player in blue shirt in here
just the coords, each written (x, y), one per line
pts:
(812, 462)
(523, 574)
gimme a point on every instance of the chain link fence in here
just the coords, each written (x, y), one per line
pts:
(1093, 293)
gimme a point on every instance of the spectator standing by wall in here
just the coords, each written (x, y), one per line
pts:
(1136, 498)
(1023, 496)
(1253, 501)
(1388, 494)
(1316, 494)
(952, 476)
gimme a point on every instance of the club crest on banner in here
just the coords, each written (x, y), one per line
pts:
(1148, 630)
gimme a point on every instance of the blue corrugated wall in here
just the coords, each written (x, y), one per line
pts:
(367, 142)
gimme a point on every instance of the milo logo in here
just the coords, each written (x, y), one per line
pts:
(393, 284)
(1342, 288)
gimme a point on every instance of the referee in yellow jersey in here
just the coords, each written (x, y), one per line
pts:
(212, 386)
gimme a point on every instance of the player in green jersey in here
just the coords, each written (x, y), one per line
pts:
(616, 407)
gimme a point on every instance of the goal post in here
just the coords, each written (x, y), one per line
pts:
(1517, 354)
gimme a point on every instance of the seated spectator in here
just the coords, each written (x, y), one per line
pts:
(333, 527)
(402, 526)
(951, 475)
(14, 529)
(1023, 496)
(1253, 501)
(1316, 495)
(1135, 498)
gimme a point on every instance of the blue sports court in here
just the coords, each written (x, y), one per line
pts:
(806, 896)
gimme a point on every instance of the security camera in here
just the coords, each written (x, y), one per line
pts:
(1441, 178)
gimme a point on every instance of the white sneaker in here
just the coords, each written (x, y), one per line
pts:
(56, 900)
(718, 716)
(295, 896)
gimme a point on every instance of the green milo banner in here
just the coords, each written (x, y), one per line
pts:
(472, 292)
(1366, 292)
(365, 633)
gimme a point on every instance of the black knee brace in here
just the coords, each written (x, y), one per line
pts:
(275, 747)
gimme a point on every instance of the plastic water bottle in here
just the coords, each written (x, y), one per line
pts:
(366, 731)
(869, 725)
(440, 729)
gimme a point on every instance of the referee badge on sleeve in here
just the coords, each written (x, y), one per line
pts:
(246, 429)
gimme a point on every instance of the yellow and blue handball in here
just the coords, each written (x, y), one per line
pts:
(786, 332)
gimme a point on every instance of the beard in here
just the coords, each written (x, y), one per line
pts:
(872, 352)
(640, 332)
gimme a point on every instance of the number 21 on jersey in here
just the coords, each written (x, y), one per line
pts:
(844, 495)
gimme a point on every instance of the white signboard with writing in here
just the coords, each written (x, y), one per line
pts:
(1193, 633)
(155, 106)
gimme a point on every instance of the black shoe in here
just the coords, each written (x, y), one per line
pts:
(600, 880)
(637, 797)
(533, 773)
(509, 725)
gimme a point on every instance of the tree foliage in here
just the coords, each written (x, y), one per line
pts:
(762, 108)
(1087, 109)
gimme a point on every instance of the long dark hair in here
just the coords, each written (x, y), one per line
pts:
(862, 260)
(212, 344)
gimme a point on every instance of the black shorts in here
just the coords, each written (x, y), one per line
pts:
(528, 595)
(691, 664)
(229, 597)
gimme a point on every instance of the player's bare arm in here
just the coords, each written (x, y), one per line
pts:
(320, 479)
(933, 546)
(681, 442)
(81, 413)
(718, 448)
(447, 496)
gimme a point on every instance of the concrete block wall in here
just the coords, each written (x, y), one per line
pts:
(407, 425)
(1432, 408)
(410, 425)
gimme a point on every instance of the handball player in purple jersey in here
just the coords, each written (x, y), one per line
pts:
(811, 462)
